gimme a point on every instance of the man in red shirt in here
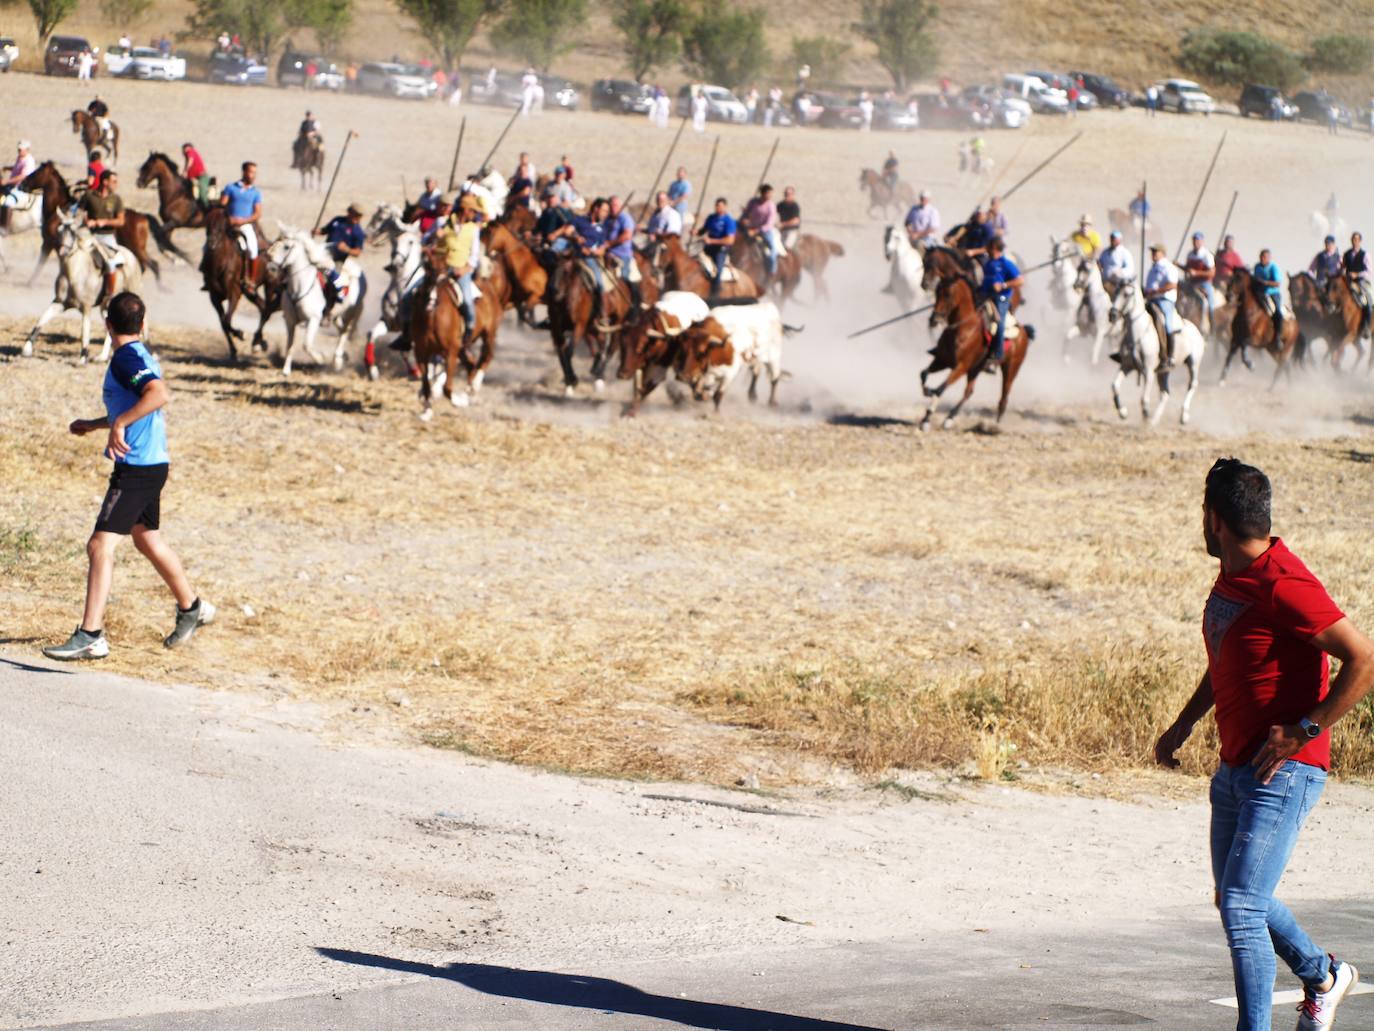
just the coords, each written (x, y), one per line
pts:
(195, 171)
(1268, 628)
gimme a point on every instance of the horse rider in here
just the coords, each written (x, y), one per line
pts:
(973, 237)
(524, 168)
(1268, 279)
(554, 227)
(1327, 265)
(429, 199)
(890, 174)
(620, 246)
(562, 188)
(459, 248)
(589, 233)
(25, 164)
(923, 222)
(996, 218)
(1201, 268)
(663, 223)
(95, 167)
(485, 199)
(345, 237)
(309, 132)
(100, 112)
(195, 171)
(1161, 298)
(718, 231)
(519, 191)
(1140, 209)
(243, 202)
(1088, 239)
(761, 223)
(678, 192)
(103, 213)
(1116, 264)
(789, 218)
(1229, 261)
(1000, 278)
(977, 147)
(1355, 264)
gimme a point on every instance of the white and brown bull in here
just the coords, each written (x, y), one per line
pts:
(752, 334)
(650, 339)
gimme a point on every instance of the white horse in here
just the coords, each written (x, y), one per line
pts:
(80, 281)
(1140, 350)
(23, 212)
(905, 268)
(296, 258)
(1062, 272)
(406, 268)
(1094, 311)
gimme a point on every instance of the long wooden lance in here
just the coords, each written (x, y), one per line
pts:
(706, 181)
(1198, 203)
(653, 190)
(457, 149)
(1227, 224)
(1037, 169)
(768, 164)
(333, 179)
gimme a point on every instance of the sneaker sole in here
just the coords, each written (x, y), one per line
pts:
(81, 656)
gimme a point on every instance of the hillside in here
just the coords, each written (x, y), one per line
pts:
(1134, 42)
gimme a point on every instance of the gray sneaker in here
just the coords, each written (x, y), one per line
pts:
(202, 613)
(80, 645)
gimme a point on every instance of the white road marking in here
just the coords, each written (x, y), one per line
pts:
(1293, 996)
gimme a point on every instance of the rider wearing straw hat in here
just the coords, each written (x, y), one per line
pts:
(1088, 239)
(1161, 295)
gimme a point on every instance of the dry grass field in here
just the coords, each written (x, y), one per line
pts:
(785, 595)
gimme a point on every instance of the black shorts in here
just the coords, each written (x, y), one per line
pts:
(134, 497)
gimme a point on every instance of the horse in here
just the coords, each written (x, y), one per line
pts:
(1132, 227)
(681, 271)
(906, 271)
(525, 279)
(572, 301)
(81, 281)
(519, 219)
(1332, 315)
(295, 260)
(880, 195)
(963, 348)
(222, 270)
(20, 212)
(1140, 350)
(85, 124)
(407, 271)
(1062, 272)
(176, 195)
(436, 328)
(307, 155)
(1094, 311)
(47, 181)
(747, 255)
(815, 253)
(1254, 326)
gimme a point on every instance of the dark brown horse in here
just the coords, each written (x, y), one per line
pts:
(519, 219)
(572, 304)
(963, 349)
(747, 255)
(885, 197)
(815, 254)
(307, 155)
(1253, 326)
(525, 279)
(57, 197)
(1333, 314)
(681, 271)
(85, 125)
(943, 262)
(176, 195)
(222, 268)
(436, 330)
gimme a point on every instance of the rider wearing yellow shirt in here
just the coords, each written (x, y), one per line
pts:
(1089, 240)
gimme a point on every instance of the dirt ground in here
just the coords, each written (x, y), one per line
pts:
(760, 596)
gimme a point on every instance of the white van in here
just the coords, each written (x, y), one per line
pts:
(1040, 96)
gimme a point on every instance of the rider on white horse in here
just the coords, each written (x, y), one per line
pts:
(1116, 264)
(923, 223)
(1201, 267)
(1089, 240)
(346, 237)
(1161, 295)
(24, 166)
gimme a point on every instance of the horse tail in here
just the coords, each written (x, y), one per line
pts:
(1030, 333)
(164, 238)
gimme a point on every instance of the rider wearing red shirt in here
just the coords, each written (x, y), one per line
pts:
(1228, 260)
(195, 171)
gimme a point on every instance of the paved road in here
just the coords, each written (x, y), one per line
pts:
(210, 861)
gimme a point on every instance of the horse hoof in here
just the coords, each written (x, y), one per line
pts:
(27, 350)
(1123, 414)
(947, 424)
(599, 386)
(339, 363)
(569, 392)
(427, 414)
(373, 372)
(460, 400)
(83, 359)
(925, 425)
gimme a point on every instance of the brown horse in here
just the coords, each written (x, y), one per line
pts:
(963, 349)
(747, 255)
(880, 195)
(307, 155)
(943, 262)
(681, 271)
(1253, 326)
(176, 195)
(815, 254)
(222, 268)
(525, 279)
(132, 235)
(85, 125)
(436, 330)
(519, 219)
(572, 305)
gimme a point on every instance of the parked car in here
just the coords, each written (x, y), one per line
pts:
(1316, 106)
(1086, 100)
(396, 80)
(838, 112)
(721, 104)
(815, 108)
(9, 53)
(992, 108)
(559, 92)
(144, 63)
(291, 72)
(1105, 89)
(630, 98)
(1185, 97)
(504, 91)
(1265, 101)
(236, 70)
(894, 115)
(63, 51)
(1035, 92)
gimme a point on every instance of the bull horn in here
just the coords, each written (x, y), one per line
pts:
(639, 383)
(608, 327)
(653, 334)
(716, 341)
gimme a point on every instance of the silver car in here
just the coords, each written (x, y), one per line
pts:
(397, 80)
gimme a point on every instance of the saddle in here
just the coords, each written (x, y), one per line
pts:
(610, 276)
(990, 323)
(709, 267)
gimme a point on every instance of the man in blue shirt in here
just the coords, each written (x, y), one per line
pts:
(346, 238)
(1269, 285)
(973, 237)
(620, 235)
(589, 230)
(1000, 278)
(1326, 266)
(134, 395)
(678, 192)
(1161, 294)
(719, 233)
(243, 202)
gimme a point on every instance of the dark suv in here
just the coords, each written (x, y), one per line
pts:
(1264, 101)
(621, 95)
(1107, 92)
(61, 56)
(1318, 105)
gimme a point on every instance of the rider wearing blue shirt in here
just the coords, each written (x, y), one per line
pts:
(620, 234)
(1269, 285)
(719, 232)
(346, 238)
(590, 232)
(678, 192)
(1000, 278)
(243, 204)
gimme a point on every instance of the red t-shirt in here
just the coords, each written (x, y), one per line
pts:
(1258, 627)
(195, 167)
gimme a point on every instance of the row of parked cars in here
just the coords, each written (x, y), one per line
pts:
(1309, 105)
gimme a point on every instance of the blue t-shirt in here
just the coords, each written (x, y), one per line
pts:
(1271, 272)
(998, 270)
(592, 234)
(718, 226)
(343, 230)
(616, 225)
(131, 369)
(242, 199)
(678, 190)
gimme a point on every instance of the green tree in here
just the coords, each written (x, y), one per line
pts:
(537, 31)
(263, 26)
(121, 12)
(1341, 55)
(901, 30)
(1235, 58)
(448, 24)
(329, 19)
(652, 30)
(826, 55)
(48, 15)
(726, 47)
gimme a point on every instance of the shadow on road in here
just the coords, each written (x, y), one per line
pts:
(595, 993)
(24, 666)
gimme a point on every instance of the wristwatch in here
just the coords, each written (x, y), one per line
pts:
(1309, 728)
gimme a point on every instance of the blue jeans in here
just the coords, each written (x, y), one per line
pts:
(594, 267)
(1254, 829)
(770, 251)
(465, 288)
(720, 255)
(999, 339)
